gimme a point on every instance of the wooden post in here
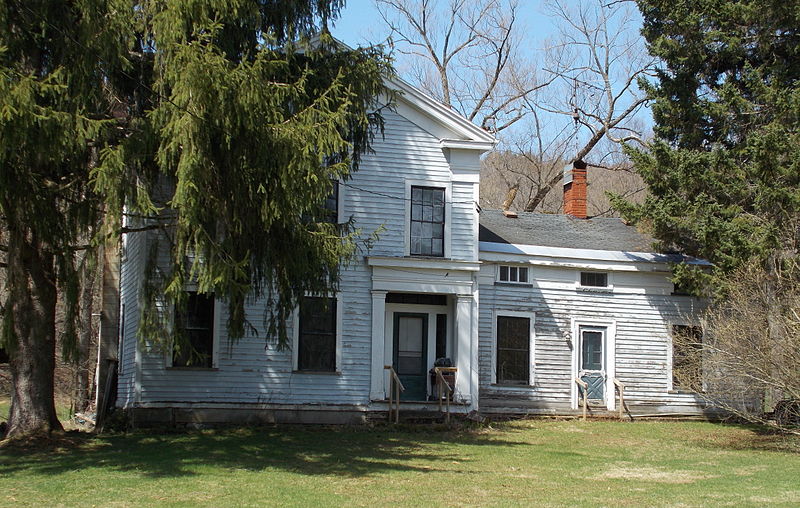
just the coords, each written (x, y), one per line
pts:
(397, 399)
(585, 386)
(621, 388)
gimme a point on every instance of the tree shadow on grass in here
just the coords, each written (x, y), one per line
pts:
(753, 437)
(308, 451)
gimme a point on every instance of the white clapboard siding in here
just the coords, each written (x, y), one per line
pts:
(130, 275)
(252, 370)
(643, 310)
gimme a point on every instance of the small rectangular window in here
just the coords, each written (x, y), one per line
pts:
(427, 221)
(517, 274)
(331, 205)
(316, 348)
(594, 279)
(513, 350)
(195, 327)
(687, 356)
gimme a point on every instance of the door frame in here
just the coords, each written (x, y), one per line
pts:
(609, 357)
(431, 310)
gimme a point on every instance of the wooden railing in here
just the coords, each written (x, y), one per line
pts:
(621, 389)
(395, 387)
(443, 388)
(583, 384)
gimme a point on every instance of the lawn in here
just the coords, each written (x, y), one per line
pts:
(535, 462)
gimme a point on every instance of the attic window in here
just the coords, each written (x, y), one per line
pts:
(516, 274)
(594, 279)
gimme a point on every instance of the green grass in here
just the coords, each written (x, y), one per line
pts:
(533, 463)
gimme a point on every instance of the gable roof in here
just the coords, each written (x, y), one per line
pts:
(562, 231)
(464, 134)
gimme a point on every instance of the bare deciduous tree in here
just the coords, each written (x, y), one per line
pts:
(748, 359)
(595, 65)
(466, 53)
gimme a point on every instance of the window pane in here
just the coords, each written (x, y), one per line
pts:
(437, 247)
(438, 198)
(523, 275)
(425, 247)
(438, 214)
(416, 212)
(591, 350)
(504, 273)
(512, 273)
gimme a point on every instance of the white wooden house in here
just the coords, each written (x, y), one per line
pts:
(515, 310)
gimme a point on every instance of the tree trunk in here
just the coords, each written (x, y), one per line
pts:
(32, 310)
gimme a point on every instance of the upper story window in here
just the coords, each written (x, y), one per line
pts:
(196, 326)
(427, 221)
(594, 279)
(517, 274)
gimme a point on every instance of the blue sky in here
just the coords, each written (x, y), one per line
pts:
(360, 23)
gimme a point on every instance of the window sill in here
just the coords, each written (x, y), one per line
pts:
(594, 289)
(512, 388)
(427, 256)
(513, 284)
(318, 372)
(202, 369)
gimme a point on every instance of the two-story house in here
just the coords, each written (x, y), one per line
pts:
(522, 305)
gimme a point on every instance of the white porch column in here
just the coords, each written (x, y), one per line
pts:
(475, 370)
(377, 389)
(463, 336)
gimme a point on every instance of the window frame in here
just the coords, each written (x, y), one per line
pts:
(671, 386)
(215, 332)
(531, 317)
(338, 188)
(517, 269)
(337, 297)
(448, 214)
(602, 289)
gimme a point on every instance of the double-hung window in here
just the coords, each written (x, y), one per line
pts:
(427, 221)
(195, 327)
(316, 345)
(513, 360)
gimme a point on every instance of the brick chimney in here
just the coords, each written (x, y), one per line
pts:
(575, 190)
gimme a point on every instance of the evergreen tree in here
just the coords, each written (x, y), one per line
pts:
(238, 106)
(724, 170)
